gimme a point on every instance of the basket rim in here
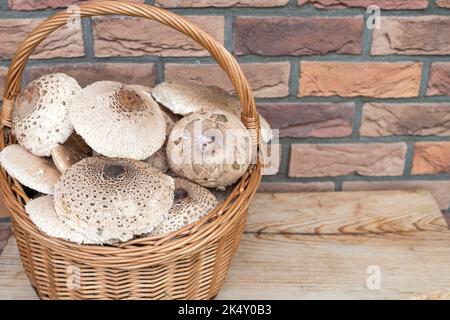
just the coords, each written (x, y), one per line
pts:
(161, 247)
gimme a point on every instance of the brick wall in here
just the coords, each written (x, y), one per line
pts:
(356, 108)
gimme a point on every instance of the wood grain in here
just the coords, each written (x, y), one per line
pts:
(320, 245)
(273, 266)
(345, 213)
(14, 284)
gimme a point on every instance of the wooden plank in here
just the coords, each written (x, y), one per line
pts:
(345, 212)
(274, 266)
(319, 245)
(14, 284)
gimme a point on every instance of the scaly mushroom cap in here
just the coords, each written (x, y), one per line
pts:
(191, 203)
(118, 120)
(211, 148)
(40, 117)
(185, 98)
(111, 198)
(42, 212)
(31, 171)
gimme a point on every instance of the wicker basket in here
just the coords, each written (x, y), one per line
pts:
(191, 263)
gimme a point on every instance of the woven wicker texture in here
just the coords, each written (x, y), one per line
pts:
(190, 263)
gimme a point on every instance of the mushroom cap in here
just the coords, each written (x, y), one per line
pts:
(159, 160)
(69, 153)
(120, 121)
(40, 116)
(191, 203)
(185, 98)
(42, 212)
(112, 198)
(211, 148)
(63, 157)
(30, 170)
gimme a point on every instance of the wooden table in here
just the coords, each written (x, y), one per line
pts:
(348, 245)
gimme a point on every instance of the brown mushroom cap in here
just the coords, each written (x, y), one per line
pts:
(159, 160)
(69, 153)
(42, 212)
(118, 120)
(185, 98)
(112, 198)
(40, 117)
(191, 203)
(30, 170)
(211, 148)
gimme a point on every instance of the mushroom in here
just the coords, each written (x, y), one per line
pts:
(40, 117)
(222, 194)
(185, 98)
(191, 203)
(118, 120)
(72, 151)
(159, 160)
(63, 157)
(210, 148)
(112, 198)
(42, 212)
(30, 170)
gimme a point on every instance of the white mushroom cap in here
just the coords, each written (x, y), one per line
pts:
(117, 120)
(159, 160)
(111, 198)
(191, 203)
(185, 98)
(40, 117)
(31, 171)
(42, 212)
(212, 148)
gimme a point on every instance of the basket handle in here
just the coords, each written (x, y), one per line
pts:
(225, 60)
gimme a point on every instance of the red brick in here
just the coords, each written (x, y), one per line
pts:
(322, 160)
(443, 3)
(383, 4)
(297, 36)
(296, 186)
(220, 3)
(61, 43)
(419, 119)
(439, 81)
(125, 36)
(27, 5)
(301, 120)
(424, 35)
(352, 79)
(87, 73)
(431, 158)
(440, 189)
(268, 80)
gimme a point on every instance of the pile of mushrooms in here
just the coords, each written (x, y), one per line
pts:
(111, 162)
